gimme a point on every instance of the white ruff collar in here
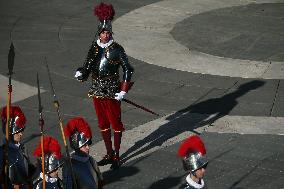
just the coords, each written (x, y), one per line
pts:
(104, 45)
(18, 144)
(194, 184)
(48, 179)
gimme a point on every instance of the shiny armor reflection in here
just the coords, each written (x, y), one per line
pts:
(18, 164)
(104, 64)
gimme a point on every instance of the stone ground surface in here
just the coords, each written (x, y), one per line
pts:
(208, 67)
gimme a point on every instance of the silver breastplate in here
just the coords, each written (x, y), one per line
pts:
(107, 64)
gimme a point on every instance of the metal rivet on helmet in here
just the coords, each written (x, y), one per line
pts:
(77, 140)
(194, 161)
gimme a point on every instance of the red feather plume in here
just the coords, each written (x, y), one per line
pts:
(104, 12)
(15, 111)
(192, 144)
(77, 124)
(50, 145)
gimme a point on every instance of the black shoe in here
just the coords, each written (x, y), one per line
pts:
(106, 160)
(115, 163)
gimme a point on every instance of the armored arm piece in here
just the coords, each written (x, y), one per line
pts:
(127, 73)
(18, 170)
(82, 73)
(128, 70)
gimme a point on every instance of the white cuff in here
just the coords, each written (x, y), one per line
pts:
(78, 74)
(119, 96)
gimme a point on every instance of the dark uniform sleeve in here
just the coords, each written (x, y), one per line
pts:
(37, 183)
(66, 176)
(99, 179)
(60, 184)
(87, 67)
(1, 165)
(1, 159)
(127, 68)
(31, 168)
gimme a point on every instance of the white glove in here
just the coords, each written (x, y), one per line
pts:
(78, 74)
(119, 96)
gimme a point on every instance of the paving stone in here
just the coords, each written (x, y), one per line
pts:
(62, 32)
(236, 168)
(213, 32)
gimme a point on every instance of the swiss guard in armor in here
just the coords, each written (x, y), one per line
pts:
(20, 168)
(103, 61)
(52, 163)
(192, 151)
(85, 168)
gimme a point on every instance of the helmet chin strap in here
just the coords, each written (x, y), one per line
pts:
(193, 173)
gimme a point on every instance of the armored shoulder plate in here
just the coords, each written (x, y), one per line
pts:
(117, 54)
(113, 53)
(18, 165)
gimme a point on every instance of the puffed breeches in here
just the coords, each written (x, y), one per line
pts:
(109, 113)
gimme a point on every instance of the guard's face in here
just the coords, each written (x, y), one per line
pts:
(105, 36)
(18, 137)
(85, 148)
(54, 174)
(199, 173)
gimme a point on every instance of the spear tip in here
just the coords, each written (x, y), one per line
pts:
(11, 58)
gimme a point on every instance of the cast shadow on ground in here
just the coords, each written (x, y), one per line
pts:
(112, 176)
(245, 176)
(168, 182)
(194, 116)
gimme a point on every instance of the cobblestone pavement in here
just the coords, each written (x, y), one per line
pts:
(208, 67)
